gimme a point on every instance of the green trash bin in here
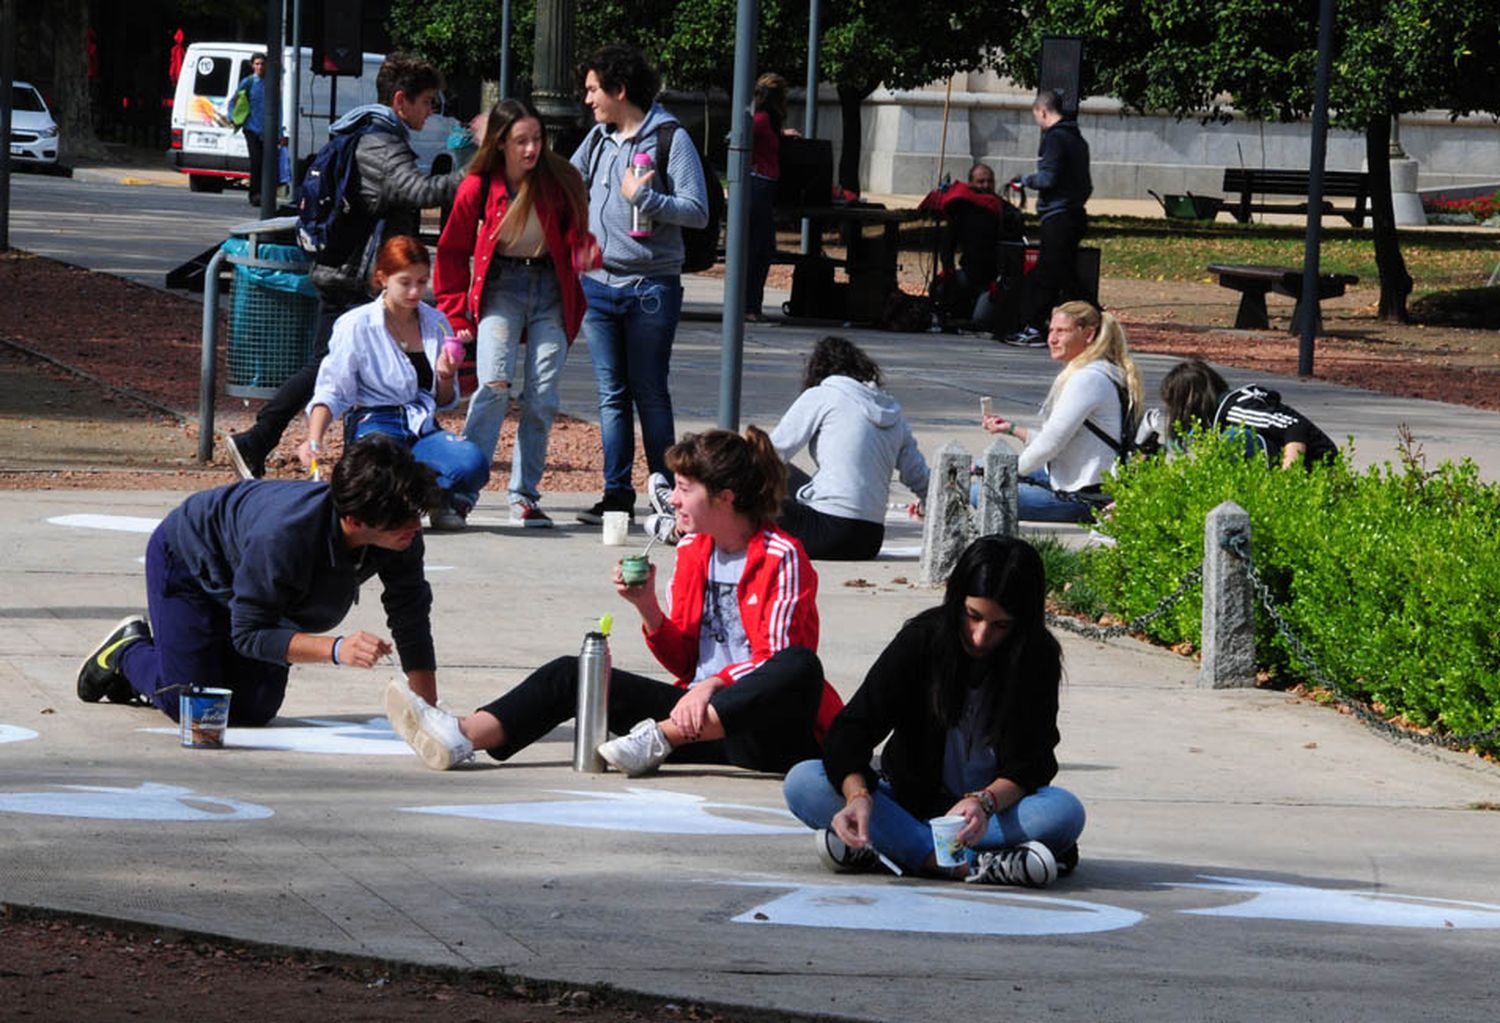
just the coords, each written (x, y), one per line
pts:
(273, 316)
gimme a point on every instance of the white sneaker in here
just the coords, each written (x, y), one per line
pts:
(659, 490)
(663, 527)
(1030, 864)
(433, 733)
(638, 753)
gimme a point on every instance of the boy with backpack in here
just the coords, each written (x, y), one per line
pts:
(362, 186)
(646, 186)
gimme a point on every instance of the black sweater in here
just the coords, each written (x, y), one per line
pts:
(896, 700)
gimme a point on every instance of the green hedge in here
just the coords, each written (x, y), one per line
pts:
(1390, 577)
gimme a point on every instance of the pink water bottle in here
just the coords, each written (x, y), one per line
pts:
(454, 348)
(640, 221)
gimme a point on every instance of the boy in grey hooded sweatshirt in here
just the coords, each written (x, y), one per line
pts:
(635, 298)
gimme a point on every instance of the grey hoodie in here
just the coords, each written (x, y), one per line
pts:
(676, 199)
(857, 435)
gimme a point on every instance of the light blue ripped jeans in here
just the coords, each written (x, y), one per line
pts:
(519, 303)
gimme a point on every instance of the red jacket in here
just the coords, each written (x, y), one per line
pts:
(778, 607)
(459, 291)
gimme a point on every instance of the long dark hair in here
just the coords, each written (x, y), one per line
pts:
(748, 466)
(1009, 572)
(1191, 391)
(552, 175)
(770, 96)
(835, 356)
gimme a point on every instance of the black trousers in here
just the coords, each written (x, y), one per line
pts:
(257, 147)
(1054, 279)
(823, 536)
(768, 715)
(292, 397)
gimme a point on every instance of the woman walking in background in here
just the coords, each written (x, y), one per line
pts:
(765, 171)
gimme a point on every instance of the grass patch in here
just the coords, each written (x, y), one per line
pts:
(1148, 249)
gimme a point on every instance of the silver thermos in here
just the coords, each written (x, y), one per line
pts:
(591, 721)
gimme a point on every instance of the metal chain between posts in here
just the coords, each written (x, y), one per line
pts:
(1238, 545)
(1192, 578)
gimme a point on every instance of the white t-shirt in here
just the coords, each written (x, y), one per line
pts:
(721, 636)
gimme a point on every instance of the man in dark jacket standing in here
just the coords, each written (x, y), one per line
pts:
(392, 190)
(240, 581)
(1063, 187)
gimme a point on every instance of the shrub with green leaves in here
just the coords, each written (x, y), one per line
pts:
(1390, 577)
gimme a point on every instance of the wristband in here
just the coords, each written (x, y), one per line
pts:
(313, 445)
(336, 644)
(985, 799)
(1010, 428)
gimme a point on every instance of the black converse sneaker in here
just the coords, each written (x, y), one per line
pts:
(1029, 864)
(840, 858)
(100, 677)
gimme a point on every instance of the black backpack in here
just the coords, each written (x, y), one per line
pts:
(330, 222)
(700, 245)
(1129, 425)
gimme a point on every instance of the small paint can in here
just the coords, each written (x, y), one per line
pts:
(203, 715)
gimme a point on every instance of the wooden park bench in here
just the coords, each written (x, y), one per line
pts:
(1253, 282)
(1249, 182)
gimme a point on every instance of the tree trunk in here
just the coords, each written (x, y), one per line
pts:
(1395, 282)
(70, 80)
(851, 98)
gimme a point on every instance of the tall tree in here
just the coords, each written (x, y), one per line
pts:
(1188, 58)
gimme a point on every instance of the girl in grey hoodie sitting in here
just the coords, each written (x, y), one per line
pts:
(857, 435)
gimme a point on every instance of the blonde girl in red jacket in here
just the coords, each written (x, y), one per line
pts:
(740, 635)
(507, 275)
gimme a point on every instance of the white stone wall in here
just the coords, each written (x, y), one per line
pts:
(991, 121)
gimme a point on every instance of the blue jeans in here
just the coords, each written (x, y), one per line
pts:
(519, 303)
(1050, 815)
(629, 333)
(461, 467)
(1037, 502)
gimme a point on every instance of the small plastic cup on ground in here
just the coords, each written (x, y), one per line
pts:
(616, 528)
(950, 851)
(635, 569)
(203, 714)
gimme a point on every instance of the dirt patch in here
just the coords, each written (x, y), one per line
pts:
(61, 969)
(58, 430)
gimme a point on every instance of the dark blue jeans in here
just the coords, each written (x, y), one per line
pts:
(190, 645)
(762, 241)
(462, 468)
(629, 333)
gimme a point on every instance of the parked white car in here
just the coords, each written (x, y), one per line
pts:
(33, 132)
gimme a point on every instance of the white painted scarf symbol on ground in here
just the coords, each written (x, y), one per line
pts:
(950, 909)
(148, 801)
(1272, 900)
(650, 811)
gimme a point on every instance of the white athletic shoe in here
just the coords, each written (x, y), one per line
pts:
(1030, 864)
(433, 733)
(639, 752)
(659, 489)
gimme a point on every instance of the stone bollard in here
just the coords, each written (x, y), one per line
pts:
(945, 532)
(1228, 603)
(997, 493)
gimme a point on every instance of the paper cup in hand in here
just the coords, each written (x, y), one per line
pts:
(950, 851)
(616, 528)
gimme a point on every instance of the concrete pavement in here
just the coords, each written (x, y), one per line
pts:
(1248, 855)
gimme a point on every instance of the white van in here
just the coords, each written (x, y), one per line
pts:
(210, 152)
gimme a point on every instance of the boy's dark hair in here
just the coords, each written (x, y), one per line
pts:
(835, 356)
(401, 73)
(1050, 100)
(379, 483)
(617, 64)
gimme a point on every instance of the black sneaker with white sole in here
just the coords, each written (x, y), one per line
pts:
(1030, 337)
(659, 490)
(840, 858)
(1030, 865)
(100, 677)
(619, 501)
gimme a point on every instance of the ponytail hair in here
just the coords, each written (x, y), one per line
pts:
(747, 466)
(1108, 344)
